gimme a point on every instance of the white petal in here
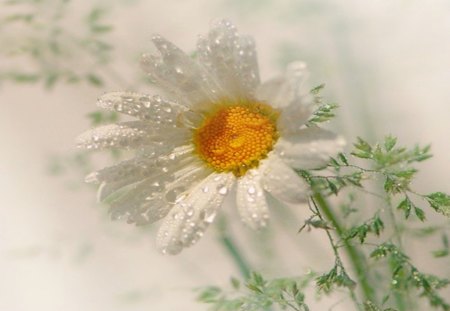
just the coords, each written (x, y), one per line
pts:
(144, 107)
(282, 182)
(179, 74)
(284, 90)
(125, 170)
(231, 58)
(309, 148)
(190, 217)
(139, 203)
(251, 201)
(107, 189)
(185, 179)
(151, 200)
(132, 135)
(289, 95)
(144, 166)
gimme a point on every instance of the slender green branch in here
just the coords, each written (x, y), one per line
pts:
(354, 256)
(401, 303)
(335, 251)
(232, 250)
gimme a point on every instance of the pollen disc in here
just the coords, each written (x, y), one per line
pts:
(235, 138)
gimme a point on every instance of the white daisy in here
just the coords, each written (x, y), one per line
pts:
(217, 126)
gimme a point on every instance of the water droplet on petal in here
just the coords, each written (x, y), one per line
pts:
(208, 216)
(173, 195)
(190, 212)
(222, 189)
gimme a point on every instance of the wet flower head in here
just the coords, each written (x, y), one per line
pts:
(217, 128)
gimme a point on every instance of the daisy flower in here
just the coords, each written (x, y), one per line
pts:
(216, 129)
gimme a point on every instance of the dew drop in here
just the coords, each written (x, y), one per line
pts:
(222, 189)
(173, 195)
(251, 190)
(190, 212)
(207, 216)
(178, 216)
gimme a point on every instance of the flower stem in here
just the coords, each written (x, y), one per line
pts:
(232, 249)
(352, 252)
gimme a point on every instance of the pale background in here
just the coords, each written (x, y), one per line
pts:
(387, 63)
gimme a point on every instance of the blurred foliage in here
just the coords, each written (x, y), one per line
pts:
(55, 45)
(258, 294)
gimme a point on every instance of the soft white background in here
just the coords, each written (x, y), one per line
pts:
(387, 63)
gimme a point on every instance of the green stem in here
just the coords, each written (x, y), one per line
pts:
(352, 252)
(233, 250)
(402, 303)
(336, 254)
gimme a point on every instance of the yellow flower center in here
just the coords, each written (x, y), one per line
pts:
(235, 138)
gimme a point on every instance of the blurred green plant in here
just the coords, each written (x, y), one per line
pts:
(257, 294)
(45, 41)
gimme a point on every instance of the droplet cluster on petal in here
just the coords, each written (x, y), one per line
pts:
(190, 217)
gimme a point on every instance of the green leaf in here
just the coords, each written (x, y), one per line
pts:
(235, 283)
(333, 188)
(419, 154)
(51, 79)
(101, 28)
(405, 206)
(254, 288)
(257, 278)
(335, 277)
(96, 14)
(389, 142)
(20, 77)
(343, 158)
(323, 113)
(209, 294)
(419, 213)
(440, 253)
(440, 202)
(363, 149)
(94, 79)
(377, 225)
(370, 306)
(316, 90)
(102, 117)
